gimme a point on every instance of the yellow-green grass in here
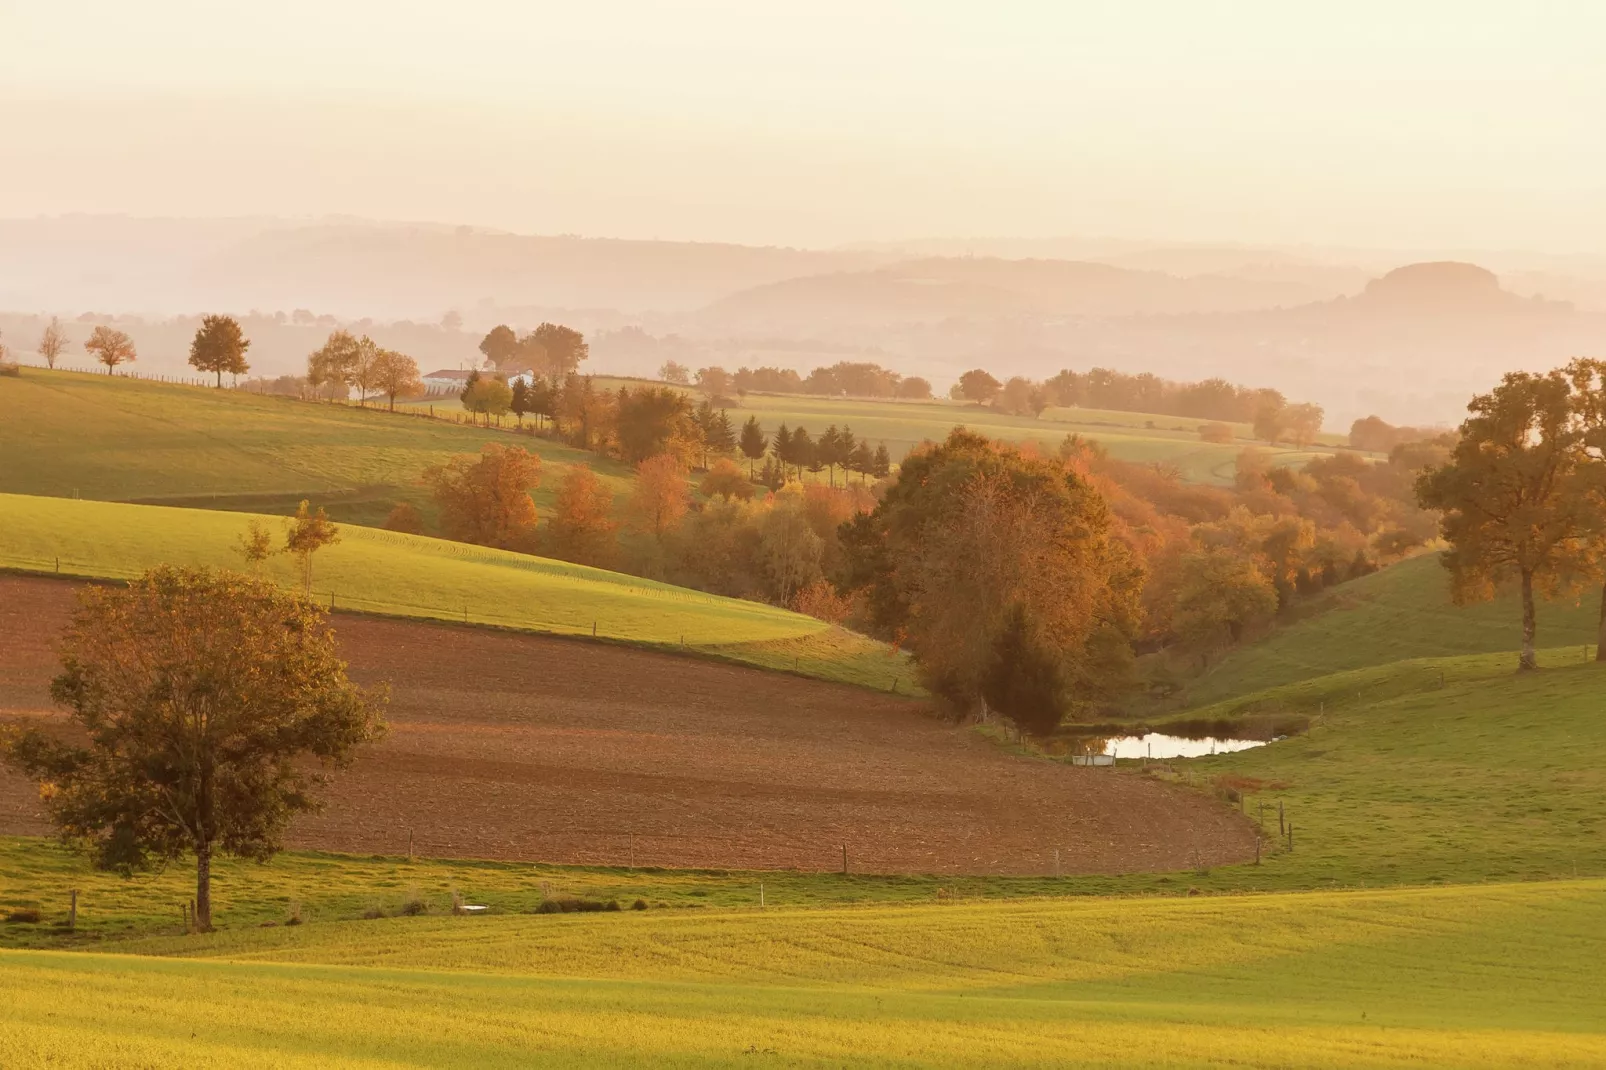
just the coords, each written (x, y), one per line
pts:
(1401, 612)
(377, 571)
(94, 436)
(1478, 976)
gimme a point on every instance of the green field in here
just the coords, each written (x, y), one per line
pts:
(1401, 612)
(1129, 436)
(1477, 976)
(117, 439)
(386, 572)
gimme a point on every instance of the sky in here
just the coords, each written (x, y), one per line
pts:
(1401, 124)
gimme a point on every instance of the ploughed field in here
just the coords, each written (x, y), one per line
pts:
(536, 748)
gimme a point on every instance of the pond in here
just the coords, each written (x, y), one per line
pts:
(1159, 745)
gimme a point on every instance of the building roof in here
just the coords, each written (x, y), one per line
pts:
(448, 374)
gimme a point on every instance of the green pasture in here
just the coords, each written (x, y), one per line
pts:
(1484, 976)
(372, 570)
(74, 435)
(1398, 613)
(902, 425)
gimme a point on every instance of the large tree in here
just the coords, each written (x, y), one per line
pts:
(396, 376)
(500, 345)
(753, 443)
(486, 499)
(202, 696)
(975, 538)
(582, 528)
(1512, 503)
(977, 385)
(111, 347)
(1588, 379)
(557, 349)
(334, 364)
(219, 346)
(661, 495)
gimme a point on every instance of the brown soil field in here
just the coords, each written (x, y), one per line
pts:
(525, 747)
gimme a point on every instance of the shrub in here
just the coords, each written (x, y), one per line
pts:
(405, 519)
(11, 368)
(413, 905)
(295, 915)
(640, 904)
(373, 913)
(569, 904)
(612, 904)
(1215, 433)
(24, 916)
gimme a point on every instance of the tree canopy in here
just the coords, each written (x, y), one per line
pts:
(219, 346)
(202, 695)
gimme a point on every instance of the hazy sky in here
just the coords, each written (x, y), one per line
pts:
(1399, 123)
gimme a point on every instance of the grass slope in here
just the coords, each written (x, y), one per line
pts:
(1401, 612)
(95, 436)
(1130, 436)
(414, 576)
(1477, 977)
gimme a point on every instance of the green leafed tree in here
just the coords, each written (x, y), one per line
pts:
(207, 703)
(219, 346)
(500, 345)
(1514, 507)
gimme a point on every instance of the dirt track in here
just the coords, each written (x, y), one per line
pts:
(540, 749)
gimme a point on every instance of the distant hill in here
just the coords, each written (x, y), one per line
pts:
(934, 289)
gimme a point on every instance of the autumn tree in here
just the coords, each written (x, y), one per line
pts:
(1588, 379)
(1220, 597)
(1270, 422)
(753, 443)
(915, 388)
(582, 528)
(207, 702)
(334, 364)
(675, 372)
(111, 347)
(1303, 423)
(396, 376)
(1511, 495)
(725, 480)
(714, 381)
(405, 518)
(789, 546)
(971, 530)
(255, 546)
(661, 495)
(500, 346)
(976, 385)
(219, 346)
(52, 342)
(557, 349)
(488, 396)
(486, 499)
(308, 533)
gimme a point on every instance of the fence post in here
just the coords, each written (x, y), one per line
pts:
(844, 859)
(72, 911)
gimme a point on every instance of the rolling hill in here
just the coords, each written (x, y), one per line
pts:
(384, 572)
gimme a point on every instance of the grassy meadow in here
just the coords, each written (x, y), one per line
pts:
(386, 572)
(1474, 976)
(1401, 612)
(68, 435)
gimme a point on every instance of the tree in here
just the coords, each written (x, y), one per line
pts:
(500, 346)
(519, 403)
(1513, 503)
(308, 533)
(753, 443)
(1271, 420)
(675, 372)
(364, 367)
(1303, 423)
(789, 548)
(405, 519)
(883, 462)
(561, 350)
(111, 347)
(655, 420)
(334, 364)
(1025, 680)
(972, 529)
(489, 396)
(863, 460)
(803, 453)
(396, 375)
(781, 447)
(1220, 597)
(255, 545)
(219, 346)
(659, 499)
(828, 451)
(202, 696)
(1588, 378)
(725, 480)
(976, 385)
(715, 381)
(52, 342)
(582, 528)
(721, 436)
(915, 388)
(486, 499)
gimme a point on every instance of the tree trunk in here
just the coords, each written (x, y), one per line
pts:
(1600, 635)
(220, 378)
(1528, 661)
(203, 888)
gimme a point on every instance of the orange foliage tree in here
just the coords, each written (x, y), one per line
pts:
(582, 529)
(486, 499)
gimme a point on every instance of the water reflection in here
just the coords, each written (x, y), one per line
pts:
(1159, 745)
